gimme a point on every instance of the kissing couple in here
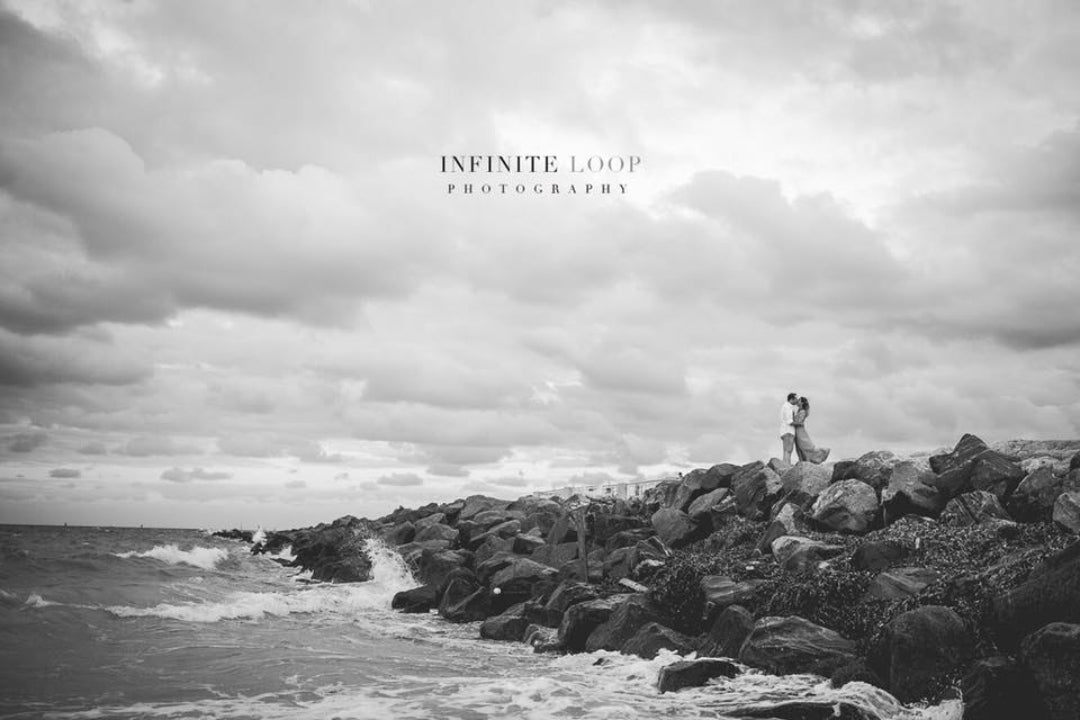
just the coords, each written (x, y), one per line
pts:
(793, 434)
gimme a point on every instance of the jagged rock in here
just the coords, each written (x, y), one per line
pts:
(1033, 499)
(563, 531)
(580, 619)
(847, 506)
(779, 466)
(728, 632)
(525, 544)
(417, 600)
(1019, 450)
(1054, 465)
(804, 481)
(844, 470)
(878, 555)
(491, 547)
(994, 473)
(589, 569)
(700, 508)
(755, 487)
(633, 613)
(662, 494)
(1052, 654)
(542, 519)
(334, 552)
(436, 532)
(510, 625)
(786, 645)
(783, 523)
(1050, 594)
(873, 468)
(476, 504)
(918, 647)
(973, 508)
(674, 527)
(797, 554)
(721, 591)
(653, 637)
(910, 490)
(694, 484)
(1067, 511)
(953, 469)
(693, 673)
(399, 534)
(502, 531)
(556, 555)
(900, 582)
(432, 567)
(628, 538)
(999, 688)
(566, 594)
(856, 671)
(607, 525)
(620, 563)
(464, 602)
(436, 518)
(521, 569)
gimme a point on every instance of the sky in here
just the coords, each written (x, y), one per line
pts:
(237, 291)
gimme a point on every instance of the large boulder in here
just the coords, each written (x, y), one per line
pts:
(633, 613)
(417, 600)
(620, 563)
(973, 508)
(953, 469)
(873, 468)
(1067, 511)
(694, 484)
(399, 534)
(727, 633)
(476, 504)
(566, 594)
(556, 555)
(910, 491)
(804, 481)
(785, 522)
(463, 602)
(994, 473)
(898, 583)
(701, 508)
(721, 591)
(1050, 594)
(877, 555)
(787, 645)
(1052, 654)
(1033, 499)
(694, 673)
(510, 625)
(674, 527)
(849, 506)
(755, 487)
(918, 647)
(653, 637)
(797, 554)
(607, 525)
(436, 531)
(999, 688)
(581, 619)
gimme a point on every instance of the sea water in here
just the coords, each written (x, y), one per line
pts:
(152, 623)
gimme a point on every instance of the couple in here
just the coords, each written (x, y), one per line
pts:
(793, 435)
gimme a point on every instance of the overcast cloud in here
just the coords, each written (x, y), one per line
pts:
(234, 289)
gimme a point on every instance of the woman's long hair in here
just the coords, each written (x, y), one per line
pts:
(805, 405)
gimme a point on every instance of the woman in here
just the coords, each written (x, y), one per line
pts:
(804, 446)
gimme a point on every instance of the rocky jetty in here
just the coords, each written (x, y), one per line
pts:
(919, 575)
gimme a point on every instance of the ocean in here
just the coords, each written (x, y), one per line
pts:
(155, 623)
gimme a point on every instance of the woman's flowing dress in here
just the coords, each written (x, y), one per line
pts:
(804, 446)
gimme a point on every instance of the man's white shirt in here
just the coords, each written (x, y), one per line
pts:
(787, 416)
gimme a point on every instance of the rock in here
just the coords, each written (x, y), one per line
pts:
(417, 600)
(620, 563)
(1033, 499)
(901, 582)
(728, 632)
(998, 688)
(607, 525)
(996, 474)
(856, 671)
(461, 603)
(662, 494)
(721, 591)
(844, 470)
(806, 480)
(567, 594)
(847, 506)
(784, 523)
(334, 552)
(564, 531)
(580, 619)
(693, 673)
(877, 555)
(953, 469)
(491, 547)
(653, 637)
(556, 555)
(628, 538)
(973, 508)
(674, 527)
(804, 710)
(874, 468)
(918, 647)
(755, 487)
(1050, 594)
(525, 544)
(436, 532)
(510, 625)
(437, 518)
(786, 645)
(487, 519)
(700, 508)
(476, 504)
(778, 466)
(798, 554)
(1020, 450)
(1052, 654)
(910, 491)
(399, 534)
(1067, 511)
(694, 484)
(542, 639)
(633, 613)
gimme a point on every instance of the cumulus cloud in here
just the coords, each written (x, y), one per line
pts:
(151, 445)
(26, 442)
(65, 473)
(401, 480)
(180, 475)
(94, 448)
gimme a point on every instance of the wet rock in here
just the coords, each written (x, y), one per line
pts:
(898, 583)
(433, 566)
(1034, 498)
(436, 532)
(1067, 511)
(727, 633)
(399, 534)
(674, 527)
(653, 637)
(919, 647)
(973, 508)
(436, 518)
(798, 554)
(543, 639)
(491, 547)
(633, 613)
(581, 619)
(856, 671)
(953, 469)
(877, 555)
(417, 600)
(464, 602)
(510, 625)
(848, 506)
(1050, 594)
(693, 673)
(755, 487)
(556, 555)
(786, 645)
(910, 492)
(721, 591)
(1052, 654)
(521, 569)
(804, 710)
(999, 688)
(566, 594)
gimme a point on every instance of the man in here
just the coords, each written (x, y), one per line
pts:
(787, 427)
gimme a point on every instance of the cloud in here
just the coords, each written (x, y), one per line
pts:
(29, 362)
(401, 480)
(65, 473)
(151, 445)
(180, 475)
(94, 448)
(26, 442)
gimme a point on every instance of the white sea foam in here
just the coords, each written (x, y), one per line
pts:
(258, 537)
(35, 600)
(206, 558)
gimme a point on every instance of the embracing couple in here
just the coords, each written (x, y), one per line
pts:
(793, 434)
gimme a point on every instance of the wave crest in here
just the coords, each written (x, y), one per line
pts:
(206, 558)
